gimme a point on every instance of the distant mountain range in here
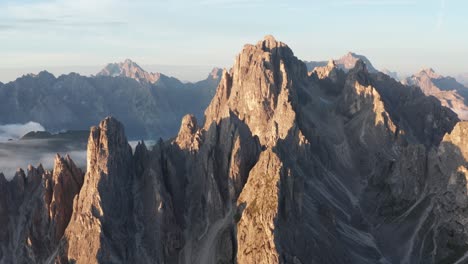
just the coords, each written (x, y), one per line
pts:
(345, 63)
(149, 104)
(446, 89)
(450, 93)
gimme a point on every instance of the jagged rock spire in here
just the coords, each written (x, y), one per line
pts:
(105, 199)
(259, 89)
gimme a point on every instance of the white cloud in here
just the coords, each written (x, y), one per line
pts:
(61, 13)
(15, 131)
(11, 161)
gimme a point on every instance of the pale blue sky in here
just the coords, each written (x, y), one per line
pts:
(402, 35)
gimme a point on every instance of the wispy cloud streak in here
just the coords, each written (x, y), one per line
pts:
(60, 14)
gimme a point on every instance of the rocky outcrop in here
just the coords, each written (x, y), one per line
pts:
(215, 73)
(330, 77)
(101, 228)
(67, 180)
(189, 135)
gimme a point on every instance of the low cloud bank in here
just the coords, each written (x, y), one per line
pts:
(16, 131)
(20, 153)
(10, 163)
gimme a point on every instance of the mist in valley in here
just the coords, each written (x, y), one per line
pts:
(18, 152)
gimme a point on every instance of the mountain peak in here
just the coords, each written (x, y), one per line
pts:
(215, 73)
(42, 74)
(348, 61)
(269, 38)
(129, 69)
(102, 201)
(269, 43)
(263, 79)
(430, 73)
(129, 61)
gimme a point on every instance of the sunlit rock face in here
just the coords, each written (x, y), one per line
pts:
(289, 167)
(129, 69)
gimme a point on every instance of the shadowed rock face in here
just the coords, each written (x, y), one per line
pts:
(289, 167)
(35, 209)
(149, 104)
(105, 201)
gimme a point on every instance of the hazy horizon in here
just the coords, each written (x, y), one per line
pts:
(402, 35)
(185, 73)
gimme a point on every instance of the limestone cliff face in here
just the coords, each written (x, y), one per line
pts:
(67, 179)
(207, 170)
(258, 208)
(101, 228)
(258, 90)
(289, 167)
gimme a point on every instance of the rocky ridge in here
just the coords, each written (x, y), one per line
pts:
(345, 63)
(150, 105)
(289, 167)
(446, 89)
